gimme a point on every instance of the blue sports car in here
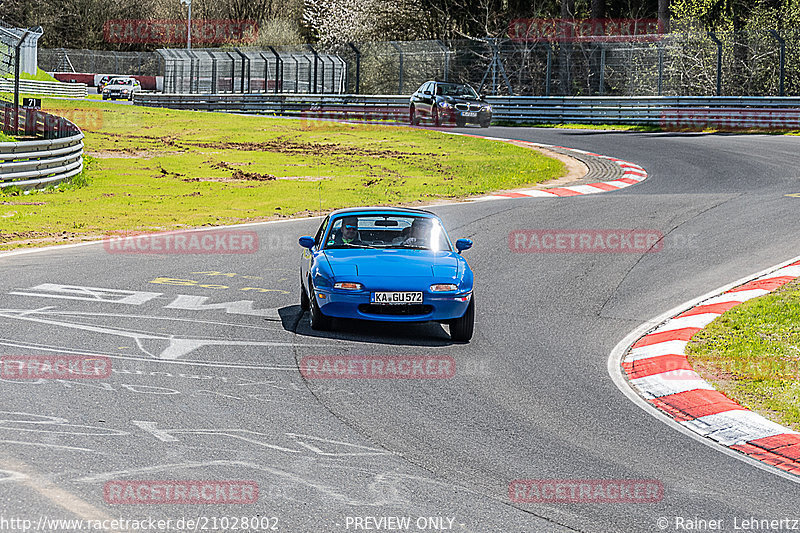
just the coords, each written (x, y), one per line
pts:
(386, 264)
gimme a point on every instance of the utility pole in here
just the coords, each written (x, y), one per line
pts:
(16, 79)
(189, 26)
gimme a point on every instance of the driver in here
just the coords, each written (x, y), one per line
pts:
(347, 234)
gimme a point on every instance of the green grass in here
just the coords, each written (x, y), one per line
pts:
(39, 76)
(752, 354)
(5, 138)
(571, 126)
(645, 129)
(159, 169)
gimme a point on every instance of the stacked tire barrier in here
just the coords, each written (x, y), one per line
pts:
(51, 149)
(681, 112)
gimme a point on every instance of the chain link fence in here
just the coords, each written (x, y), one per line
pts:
(688, 63)
(276, 69)
(99, 62)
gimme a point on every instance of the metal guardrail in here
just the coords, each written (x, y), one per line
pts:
(53, 155)
(48, 88)
(667, 112)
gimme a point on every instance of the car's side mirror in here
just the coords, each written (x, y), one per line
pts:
(463, 244)
(307, 242)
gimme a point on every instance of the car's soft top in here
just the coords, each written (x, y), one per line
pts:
(379, 210)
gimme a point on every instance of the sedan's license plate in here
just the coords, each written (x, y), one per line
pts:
(397, 297)
(469, 114)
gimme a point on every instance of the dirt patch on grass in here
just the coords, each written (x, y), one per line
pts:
(34, 237)
(285, 146)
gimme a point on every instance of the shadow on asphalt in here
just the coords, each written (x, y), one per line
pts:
(432, 334)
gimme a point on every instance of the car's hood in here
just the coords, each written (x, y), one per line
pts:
(392, 262)
(463, 100)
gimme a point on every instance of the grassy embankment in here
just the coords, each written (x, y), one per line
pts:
(752, 354)
(157, 169)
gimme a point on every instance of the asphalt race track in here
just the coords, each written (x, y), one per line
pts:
(201, 392)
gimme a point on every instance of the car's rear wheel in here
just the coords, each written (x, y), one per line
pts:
(305, 303)
(461, 328)
(435, 115)
(318, 321)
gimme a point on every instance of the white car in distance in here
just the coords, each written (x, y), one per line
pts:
(121, 88)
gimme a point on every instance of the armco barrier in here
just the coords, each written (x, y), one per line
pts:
(47, 88)
(685, 112)
(54, 153)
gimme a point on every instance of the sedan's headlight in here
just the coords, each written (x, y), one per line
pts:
(444, 104)
(487, 108)
(348, 286)
(444, 287)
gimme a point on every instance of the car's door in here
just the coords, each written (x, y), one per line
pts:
(425, 99)
(416, 98)
(310, 256)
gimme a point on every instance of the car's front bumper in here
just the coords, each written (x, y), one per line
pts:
(455, 115)
(436, 307)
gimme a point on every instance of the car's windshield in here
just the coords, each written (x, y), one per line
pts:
(387, 231)
(453, 89)
(120, 81)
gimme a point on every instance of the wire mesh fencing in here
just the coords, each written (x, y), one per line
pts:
(681, 63)
(277, 69)
(99, 62)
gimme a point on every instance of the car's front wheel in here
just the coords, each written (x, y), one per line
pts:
(413, 118)
(435, 115)
(305, 303)
(318, 321)
(485, 122)
(461, 328)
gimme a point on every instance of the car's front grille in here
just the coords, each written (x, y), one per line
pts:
(468, 107)
(395, 309)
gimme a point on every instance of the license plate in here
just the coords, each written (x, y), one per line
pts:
(469, 113)
(397, 297)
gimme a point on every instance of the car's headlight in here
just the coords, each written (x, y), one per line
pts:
(444, 104)
(487, 108)
(347, 285)
(444, 287)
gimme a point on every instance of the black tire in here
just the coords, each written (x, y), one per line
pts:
(460, 123)
(413, 117)
(435, 115)
(461, 328)
(105, 97)
(317, 320)
(485, 122)
(305, 303)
